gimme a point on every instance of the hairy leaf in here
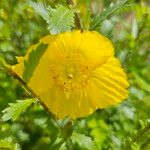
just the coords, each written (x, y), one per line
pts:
(61, 19)
(33, 60)
(84, 141)
(107, 12)
(16, 109)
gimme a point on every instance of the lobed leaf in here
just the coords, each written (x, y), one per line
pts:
(16, 109)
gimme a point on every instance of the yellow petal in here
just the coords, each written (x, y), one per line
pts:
(77, 105)
(91, 45)
(19, 68)
(108, 84)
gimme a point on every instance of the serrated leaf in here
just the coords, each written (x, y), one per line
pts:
(16, 109)
(7, 144)
(40, 9)
(84, 141)
(141, 82)
(61, 19)
(107, 12)
(33, 60)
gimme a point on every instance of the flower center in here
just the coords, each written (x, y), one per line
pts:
(70, 74)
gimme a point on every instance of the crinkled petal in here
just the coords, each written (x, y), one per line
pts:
(108, 84)
(92, 46)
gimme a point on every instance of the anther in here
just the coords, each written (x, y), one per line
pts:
(70, 76)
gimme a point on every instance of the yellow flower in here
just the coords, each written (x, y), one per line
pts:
(77, 74)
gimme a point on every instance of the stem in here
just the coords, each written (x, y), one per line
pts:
(137, 137)
(77, 16)
(22, 83)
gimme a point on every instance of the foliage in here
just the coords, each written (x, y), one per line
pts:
(113, 128)
(14, 111)
(41, 10)
(7, 143)
(140, 81)
(107, 12)
(59, 20)
(84, 142)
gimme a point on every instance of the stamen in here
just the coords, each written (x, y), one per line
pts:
(70, 76)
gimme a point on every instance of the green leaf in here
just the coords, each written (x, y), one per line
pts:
(7, 144)
(141, 82)
(32, 62)
(16, 109)
(61, 19)
(84, 141)
(40, 9)
(107, 12)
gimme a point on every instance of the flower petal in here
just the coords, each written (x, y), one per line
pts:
(76, 105)
(19, 68)
(108, 84)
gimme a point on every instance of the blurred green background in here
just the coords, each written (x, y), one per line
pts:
(111, 128)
